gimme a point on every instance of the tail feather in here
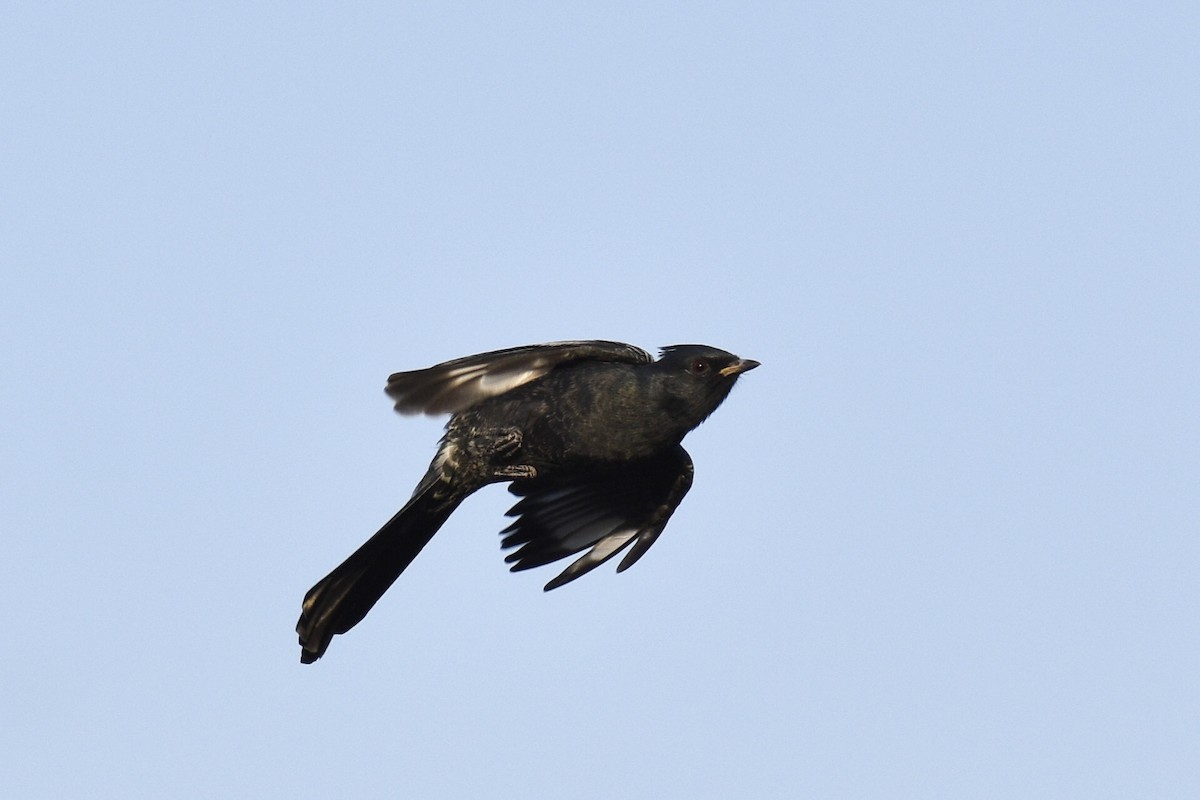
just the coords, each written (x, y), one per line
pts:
(342, 598)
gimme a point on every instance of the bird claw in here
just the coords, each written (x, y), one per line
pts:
(516, 472)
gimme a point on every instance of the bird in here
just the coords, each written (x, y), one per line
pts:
(588, 434)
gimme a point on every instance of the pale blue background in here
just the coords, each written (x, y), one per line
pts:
(942, 544)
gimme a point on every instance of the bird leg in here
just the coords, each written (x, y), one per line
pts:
(499, 444)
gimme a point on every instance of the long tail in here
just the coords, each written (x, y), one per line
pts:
(342, 598)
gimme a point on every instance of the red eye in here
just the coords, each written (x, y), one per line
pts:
(698, 366)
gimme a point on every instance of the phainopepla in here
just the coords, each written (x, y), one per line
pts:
(588, 432)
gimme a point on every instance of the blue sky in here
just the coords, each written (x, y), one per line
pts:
(943, 543)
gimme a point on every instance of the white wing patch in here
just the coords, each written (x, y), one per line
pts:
(491, 384)
(603, 550)
(460, 387)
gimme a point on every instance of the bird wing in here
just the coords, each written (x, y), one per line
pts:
(454, 385)
(605, 511)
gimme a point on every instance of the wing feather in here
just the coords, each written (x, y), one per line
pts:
(601, 513)
(454, 385)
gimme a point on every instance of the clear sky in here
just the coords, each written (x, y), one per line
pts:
(943, 543)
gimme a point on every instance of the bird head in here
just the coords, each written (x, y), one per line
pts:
(697, 378)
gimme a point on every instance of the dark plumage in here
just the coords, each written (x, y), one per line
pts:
(589, 434)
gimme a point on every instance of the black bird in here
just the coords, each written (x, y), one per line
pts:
(588, 432)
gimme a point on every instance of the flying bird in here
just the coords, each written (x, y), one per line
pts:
(588, 433)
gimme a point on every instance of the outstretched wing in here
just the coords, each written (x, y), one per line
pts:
(557, 517)
(454, 385)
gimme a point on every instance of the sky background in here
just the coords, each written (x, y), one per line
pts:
(943, 543)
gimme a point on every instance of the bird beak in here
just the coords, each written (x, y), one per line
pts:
(738, 367)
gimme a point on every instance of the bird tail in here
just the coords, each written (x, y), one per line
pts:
(342, 598)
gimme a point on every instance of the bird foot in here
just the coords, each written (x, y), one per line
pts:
(503, 442)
